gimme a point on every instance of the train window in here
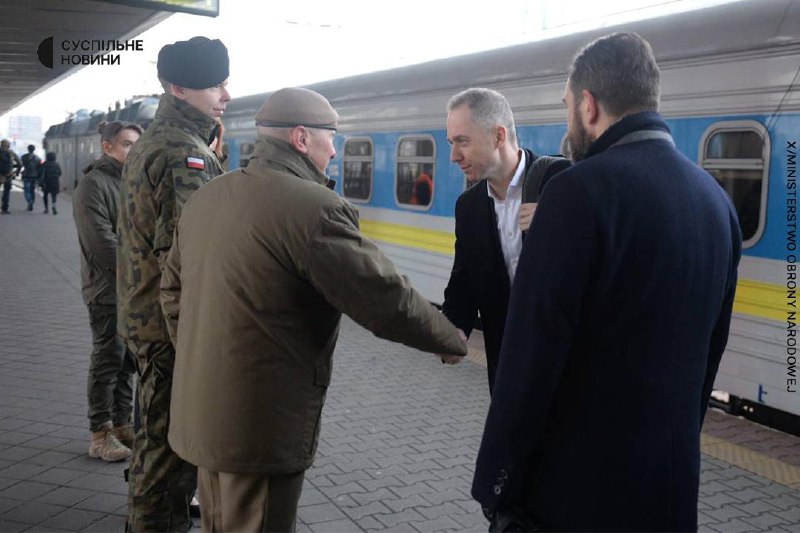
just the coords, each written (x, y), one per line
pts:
(736, 153)
(246, 153)
(416, 157)
(357, 180)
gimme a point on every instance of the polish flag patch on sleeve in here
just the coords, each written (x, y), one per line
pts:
(196, 163)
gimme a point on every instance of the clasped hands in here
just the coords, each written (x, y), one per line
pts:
(449, 359)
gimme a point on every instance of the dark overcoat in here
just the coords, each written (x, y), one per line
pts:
(617, 321)
(49, 177)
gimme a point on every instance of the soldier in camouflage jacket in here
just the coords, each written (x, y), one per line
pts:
(171, 161)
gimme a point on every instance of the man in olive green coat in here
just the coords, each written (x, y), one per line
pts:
(95, 207)
(265, 260)
(169, 163)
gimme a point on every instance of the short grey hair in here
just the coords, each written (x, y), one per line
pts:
(284, 134)
(489, 109)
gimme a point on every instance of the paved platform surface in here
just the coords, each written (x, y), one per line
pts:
(399, 436)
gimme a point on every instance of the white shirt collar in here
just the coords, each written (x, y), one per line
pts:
(515, 181)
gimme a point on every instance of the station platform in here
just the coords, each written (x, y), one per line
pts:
(399, 436)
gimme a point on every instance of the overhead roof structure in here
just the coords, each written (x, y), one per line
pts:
(728, 33)
(24, 24)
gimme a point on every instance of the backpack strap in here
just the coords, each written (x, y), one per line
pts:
(534, 178)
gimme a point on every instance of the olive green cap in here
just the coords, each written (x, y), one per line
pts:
(295, 106)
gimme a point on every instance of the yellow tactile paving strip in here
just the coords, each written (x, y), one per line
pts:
(744, 458)
(750, 460)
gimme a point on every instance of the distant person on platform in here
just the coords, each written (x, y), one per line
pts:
(30, 174)
(10, 166)
(492, 214)
(618, 318)
(50, 178)
(169, 163)
(95, 207)
(266, 259)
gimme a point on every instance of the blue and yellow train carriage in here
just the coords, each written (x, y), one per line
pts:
(730, 94)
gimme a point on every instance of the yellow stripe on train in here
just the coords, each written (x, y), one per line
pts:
(441, 242)
(763, 300)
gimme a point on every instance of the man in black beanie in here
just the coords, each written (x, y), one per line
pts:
(171, 160)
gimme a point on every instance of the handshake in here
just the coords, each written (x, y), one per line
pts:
(450, 359)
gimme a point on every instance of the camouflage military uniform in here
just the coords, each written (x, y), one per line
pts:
(170, 161)
(9, 167)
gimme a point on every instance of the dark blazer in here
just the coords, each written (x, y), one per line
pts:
(479, 280)
(617, 322)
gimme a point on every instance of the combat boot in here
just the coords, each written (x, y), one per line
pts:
(106, 446)
(124, 434)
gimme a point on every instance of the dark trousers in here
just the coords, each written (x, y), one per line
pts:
(6, 192)
(160, 484)
(248, 502)
(53, 194)
(110, 384)
(511, 521)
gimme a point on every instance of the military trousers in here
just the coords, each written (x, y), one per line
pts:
(110, 384)
(248, 502)
(160, 484)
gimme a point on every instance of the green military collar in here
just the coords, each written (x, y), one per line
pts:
(186, 116)
(271, 152)
(114, 166)
(106, 164)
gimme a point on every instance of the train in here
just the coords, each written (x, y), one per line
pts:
(76, 141)
(730, 95)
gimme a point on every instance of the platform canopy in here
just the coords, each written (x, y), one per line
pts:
(24, 24)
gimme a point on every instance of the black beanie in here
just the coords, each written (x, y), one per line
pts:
(198, 63)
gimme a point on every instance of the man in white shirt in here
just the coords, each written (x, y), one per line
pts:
(490, 215)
